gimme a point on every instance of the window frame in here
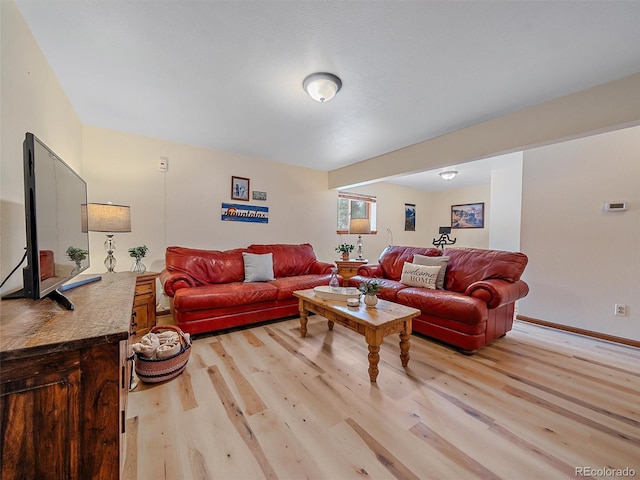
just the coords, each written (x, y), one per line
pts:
(370, 210)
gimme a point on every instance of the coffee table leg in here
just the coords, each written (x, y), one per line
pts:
(404, 348)
(374, 358)
(330, 323)
(303, 321)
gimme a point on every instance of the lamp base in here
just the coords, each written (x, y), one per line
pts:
(110, 246)
(359, 253)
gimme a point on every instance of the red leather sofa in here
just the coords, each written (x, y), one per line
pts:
(208, 291)
(477, 303)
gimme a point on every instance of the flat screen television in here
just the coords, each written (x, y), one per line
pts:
(57, 239)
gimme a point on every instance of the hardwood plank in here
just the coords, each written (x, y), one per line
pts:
(237, 418)
(252, 402)
(390, 462)
(130, 468)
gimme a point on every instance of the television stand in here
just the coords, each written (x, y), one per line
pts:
(56, 296)
(64, 383)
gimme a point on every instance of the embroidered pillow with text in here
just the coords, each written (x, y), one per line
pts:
(419, 275)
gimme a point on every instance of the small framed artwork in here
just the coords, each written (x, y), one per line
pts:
(239, 188)
(259, 195)
(409, 217)
(469, 215)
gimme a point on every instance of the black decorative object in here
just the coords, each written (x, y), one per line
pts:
(444, 238)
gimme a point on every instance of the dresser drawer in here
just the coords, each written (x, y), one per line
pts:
(146, 287)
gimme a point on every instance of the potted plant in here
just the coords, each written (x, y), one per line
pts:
(77, 255)
(370, 289)
(345, 249)
(138, 253)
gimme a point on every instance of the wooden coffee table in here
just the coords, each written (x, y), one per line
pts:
(373, 322)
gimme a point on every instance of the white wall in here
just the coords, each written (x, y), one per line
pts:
(506, 204)
(32, 100)
(582, 260)
(465, 237)
(183, 205)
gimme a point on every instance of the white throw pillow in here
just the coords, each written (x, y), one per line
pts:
(258, 268)
(419, 275)
(439, 261)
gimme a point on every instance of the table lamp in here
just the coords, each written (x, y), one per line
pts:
(359, 226)
(108, 218)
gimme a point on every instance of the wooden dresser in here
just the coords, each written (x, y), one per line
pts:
(64, 382)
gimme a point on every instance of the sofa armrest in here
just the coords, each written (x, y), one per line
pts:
(497, 293)
(321, 267)
(174, 281)
(370, 270)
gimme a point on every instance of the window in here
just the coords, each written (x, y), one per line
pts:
(355, 205)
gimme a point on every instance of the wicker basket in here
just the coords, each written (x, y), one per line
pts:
(155, 370)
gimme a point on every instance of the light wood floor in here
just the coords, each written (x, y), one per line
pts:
(264, 403)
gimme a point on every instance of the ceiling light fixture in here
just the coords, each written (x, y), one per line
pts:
(322, 86)
(449, 174)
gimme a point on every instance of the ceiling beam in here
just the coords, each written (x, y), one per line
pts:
(607, 107)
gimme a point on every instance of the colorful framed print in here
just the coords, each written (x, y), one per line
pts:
(469, 215)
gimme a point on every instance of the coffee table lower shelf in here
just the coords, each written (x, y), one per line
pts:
(374, 323)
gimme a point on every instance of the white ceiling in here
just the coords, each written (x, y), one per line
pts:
(228, 74)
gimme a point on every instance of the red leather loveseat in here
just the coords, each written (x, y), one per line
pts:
(208, 291)
(477, 302)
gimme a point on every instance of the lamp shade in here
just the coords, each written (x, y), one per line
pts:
(322, 87)
(106, 217)
(359, 226)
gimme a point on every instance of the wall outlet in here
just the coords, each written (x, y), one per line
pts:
(620, 310)
(163, 164)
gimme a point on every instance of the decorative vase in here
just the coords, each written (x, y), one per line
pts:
(345, 256)
(138, 267)
(370, 300)
(334, 283)
(78, 267)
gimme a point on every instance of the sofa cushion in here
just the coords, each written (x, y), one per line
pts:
(287, 285)
(207, 266)
(469, 265)
(258, 268)
(435, 261)
(388, 288)
(420, 275)
(393, 257)
(223, 295)
(288, 260)
(442, 303)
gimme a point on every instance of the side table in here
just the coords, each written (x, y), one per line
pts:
(348, 269)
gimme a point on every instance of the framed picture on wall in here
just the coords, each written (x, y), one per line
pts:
(469, 215)
(239, 188)
(409, 217)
